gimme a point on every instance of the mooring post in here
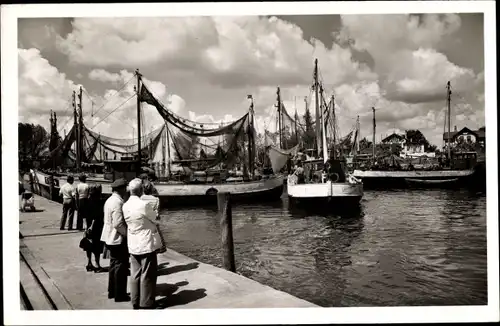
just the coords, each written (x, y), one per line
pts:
(226, 225)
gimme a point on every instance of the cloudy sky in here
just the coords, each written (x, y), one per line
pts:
(204, 67)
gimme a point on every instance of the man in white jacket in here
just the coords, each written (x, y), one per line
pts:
(114, 234)
(143, 241)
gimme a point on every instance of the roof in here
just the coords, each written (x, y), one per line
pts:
(480, 133)
(398, 136)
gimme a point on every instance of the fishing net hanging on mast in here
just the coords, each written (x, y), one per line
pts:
(200, 146)
(289, 138)
(63, 149)
(126, 146)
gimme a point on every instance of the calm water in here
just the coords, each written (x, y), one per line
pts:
(402, 248)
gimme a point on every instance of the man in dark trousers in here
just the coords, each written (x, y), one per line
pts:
(114, 234)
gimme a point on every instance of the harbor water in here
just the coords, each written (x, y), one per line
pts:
(407, 247)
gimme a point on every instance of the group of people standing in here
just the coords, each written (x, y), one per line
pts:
(124, 226)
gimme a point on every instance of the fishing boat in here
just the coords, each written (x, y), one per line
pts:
(200, 178)
(459, 171)
(327, 179)
(438, 183)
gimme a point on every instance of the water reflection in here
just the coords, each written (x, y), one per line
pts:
(398, 248)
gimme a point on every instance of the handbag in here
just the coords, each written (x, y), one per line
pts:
(85, 243)
(158, 241)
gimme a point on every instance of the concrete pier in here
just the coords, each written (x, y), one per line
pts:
(53, 274)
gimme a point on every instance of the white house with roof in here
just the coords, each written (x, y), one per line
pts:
(409, 149)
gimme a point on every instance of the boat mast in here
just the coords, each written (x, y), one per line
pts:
(316, 95)
(75, 130)
(168, 148)
(150, 150)
(52, 138)
(374, 129)
(55, 141)
(80, 130)
(448, 91)
(139, 154)
(278, 100)
(323, 130)
(306, 129)
(101, 151)
(250, 138)
(296, 118)
(444, 126)
(334, 125)
(358, 127)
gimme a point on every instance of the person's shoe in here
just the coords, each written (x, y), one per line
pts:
(70, 229)
(111, 296)
(148, 308)
(90, 268)
(98, 269)
(62, 229)
(125, 298)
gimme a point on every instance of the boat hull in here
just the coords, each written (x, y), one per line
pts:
(432, 183)
(181, 194)
(338, 194)
(402, 179)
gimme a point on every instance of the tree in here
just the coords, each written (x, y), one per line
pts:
(309, 135)
(364, 143)
(415, 136)
(289, 138)
(432, 148)
(33, 139)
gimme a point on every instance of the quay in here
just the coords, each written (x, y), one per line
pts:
(53, 275)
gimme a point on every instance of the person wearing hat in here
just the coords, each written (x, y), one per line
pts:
(114, 235)
(67, 192)
(82, 192)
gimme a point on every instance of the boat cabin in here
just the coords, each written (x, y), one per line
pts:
(316, 169)
(463, 160)
(123, 168)
(96, 168)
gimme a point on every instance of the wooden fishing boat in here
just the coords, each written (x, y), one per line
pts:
(398, 178)
(347, 193)
(332, 184)
(460, 170)
(177, 193)
(189, 191)
(431, 183)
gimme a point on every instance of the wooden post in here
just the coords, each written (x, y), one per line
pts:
(226, 225)
(374, 129)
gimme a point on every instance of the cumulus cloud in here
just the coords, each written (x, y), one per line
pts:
(229, 51)
(404, 51)
(204, 67)
(42, 87)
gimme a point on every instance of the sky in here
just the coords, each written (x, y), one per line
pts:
(203, 68)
